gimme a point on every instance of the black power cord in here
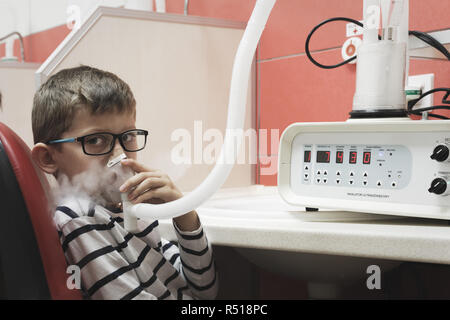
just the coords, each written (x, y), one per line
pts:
(308, 53)
(420, 35)
(425, 37)
(419, 111)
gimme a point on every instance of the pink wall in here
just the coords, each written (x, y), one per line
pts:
(290, 88)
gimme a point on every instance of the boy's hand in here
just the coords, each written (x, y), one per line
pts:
(153, 186)
(148, 185)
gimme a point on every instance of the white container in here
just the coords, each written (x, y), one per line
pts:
(380, 77)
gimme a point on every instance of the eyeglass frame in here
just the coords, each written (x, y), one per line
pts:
(113, 143)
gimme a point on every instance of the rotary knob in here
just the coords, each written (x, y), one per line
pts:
(438, 186)
(440, 153)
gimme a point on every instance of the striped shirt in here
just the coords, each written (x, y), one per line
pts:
(117, 264)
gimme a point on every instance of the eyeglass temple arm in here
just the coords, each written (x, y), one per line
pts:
(62, 140)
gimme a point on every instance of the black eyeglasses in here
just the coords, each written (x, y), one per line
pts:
(97, 144)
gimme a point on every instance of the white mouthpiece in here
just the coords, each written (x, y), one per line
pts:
(130, 221)
(116, 160)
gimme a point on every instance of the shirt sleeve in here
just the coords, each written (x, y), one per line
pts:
(197, 262)
(104, 273)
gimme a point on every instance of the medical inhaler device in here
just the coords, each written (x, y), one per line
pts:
(379, 161)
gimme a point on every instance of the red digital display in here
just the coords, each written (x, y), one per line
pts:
(353, 157)
(366, 157)
(339, 156)
(323, 156)
(307, 156)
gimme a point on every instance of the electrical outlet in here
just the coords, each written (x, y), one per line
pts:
(424, 82)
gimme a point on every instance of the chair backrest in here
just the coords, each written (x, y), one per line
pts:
(32, 262)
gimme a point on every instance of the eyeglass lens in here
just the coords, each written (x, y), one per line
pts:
(103, 143)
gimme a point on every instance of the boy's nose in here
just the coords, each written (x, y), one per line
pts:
(117, 150)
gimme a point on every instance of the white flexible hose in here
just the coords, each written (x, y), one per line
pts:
(235, 121)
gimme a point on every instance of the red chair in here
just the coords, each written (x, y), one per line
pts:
(32, 262)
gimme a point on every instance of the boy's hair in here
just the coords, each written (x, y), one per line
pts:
(67, 91)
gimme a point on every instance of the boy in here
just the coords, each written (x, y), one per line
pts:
(98, 110)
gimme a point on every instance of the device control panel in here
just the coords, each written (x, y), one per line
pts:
(357, 166)
(389, 168)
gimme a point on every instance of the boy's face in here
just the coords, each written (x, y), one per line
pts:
(71, 160)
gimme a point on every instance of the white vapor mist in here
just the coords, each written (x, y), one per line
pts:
(99, 184)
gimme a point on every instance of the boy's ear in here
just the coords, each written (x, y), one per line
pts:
(42, 156)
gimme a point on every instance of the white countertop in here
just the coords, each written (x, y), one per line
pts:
(256, 217)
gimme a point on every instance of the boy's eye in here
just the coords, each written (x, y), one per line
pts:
(96, 140)
(129, 137)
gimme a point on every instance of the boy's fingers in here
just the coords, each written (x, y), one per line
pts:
(136, 166)
(143, 197)
(137, 179)
(151, 194)
(147, 184)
